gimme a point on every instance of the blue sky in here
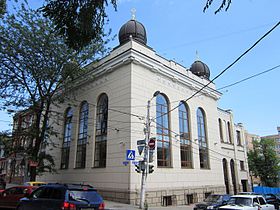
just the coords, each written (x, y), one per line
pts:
(176, 29)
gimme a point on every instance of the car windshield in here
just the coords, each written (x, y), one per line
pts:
(87, 196)
(240, 201)
(213, 198)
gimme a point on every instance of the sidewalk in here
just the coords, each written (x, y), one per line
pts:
(110, 205)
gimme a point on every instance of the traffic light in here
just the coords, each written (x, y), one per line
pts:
(137, 168)
(140, 167)
(151, 168)
(151, 156)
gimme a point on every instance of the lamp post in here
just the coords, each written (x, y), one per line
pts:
(146, 153)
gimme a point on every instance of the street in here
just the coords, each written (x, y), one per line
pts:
(116, 206)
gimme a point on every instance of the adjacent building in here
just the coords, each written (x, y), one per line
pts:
(199, 149)
(276, 138)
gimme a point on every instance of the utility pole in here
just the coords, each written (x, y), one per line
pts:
(146, 157)
(146, 153)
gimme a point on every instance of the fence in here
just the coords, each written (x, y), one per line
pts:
(266, 190)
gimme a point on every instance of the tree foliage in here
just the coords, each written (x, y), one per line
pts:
(264, 162)
(224, 5)
(2, 7)
(79, 22)
(6, 143)
(35, 64)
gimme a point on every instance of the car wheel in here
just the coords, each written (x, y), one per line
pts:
(20, 208)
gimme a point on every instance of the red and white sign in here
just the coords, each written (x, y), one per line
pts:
(152, 143)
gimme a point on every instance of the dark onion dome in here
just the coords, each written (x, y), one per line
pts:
(135, 29)
(200, 69)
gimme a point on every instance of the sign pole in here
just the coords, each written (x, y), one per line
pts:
(146, 158)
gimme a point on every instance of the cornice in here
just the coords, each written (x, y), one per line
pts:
(131, 53)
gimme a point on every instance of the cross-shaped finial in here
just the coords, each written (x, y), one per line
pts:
(133, 12)
(197, 56)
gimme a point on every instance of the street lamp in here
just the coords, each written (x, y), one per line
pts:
(146, 153)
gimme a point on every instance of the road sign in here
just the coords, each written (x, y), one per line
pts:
(152, 143)
(140, 149)
(125, 163)
(141, 142)
(130, 154)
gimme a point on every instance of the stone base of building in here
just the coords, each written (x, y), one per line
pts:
(170, 197)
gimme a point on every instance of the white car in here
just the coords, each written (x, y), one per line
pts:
(247, 202)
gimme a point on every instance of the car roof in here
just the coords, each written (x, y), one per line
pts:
(72, 186)
(22, 186)
(246, 196)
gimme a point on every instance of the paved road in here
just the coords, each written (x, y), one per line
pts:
(118, 206)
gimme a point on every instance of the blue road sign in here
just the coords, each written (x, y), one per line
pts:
(130, 154)
(125, 163)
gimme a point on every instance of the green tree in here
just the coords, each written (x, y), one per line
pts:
(2, 7)
(264, 162)
(35, 64)
(6, 143)
(78, 22)
(224, 5)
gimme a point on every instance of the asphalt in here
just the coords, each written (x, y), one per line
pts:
(110, 205)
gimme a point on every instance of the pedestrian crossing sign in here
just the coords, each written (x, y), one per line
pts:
(130, 154)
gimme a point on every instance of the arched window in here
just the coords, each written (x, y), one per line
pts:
(185, 141)
(229, 133)
(232, 168)
(221, 130)
(225, 167)
(202, 141)
(226, 129)
(101, 132)
(163, 132)
(82, 136)
(66, 138)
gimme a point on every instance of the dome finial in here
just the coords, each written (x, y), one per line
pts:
(197, 55)
(133, 12)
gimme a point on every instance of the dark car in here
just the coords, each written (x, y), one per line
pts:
(213, 201)
(2, 184)
(9, 198)
(272, 199)
(63, 196)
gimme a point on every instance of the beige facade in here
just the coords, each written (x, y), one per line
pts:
(129, 76)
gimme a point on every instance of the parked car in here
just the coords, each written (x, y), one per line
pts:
(247, 193)
(272, 199)
(62, 196)
(2, 184)
(38, 184)
(213, 201)
(9, 198)
(247, 202)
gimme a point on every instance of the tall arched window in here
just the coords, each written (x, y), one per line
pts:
(225, 167)
(66, 138)
(163, 132)
(185, 141)
(232, 168)
(221, 130)
(82, 136)
(226, 129)
(202, 140)
(101, 132)
(229, 133)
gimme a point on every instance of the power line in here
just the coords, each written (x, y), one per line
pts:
(250, 77)
(215, 37)
(222, 72)
(176, 134)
